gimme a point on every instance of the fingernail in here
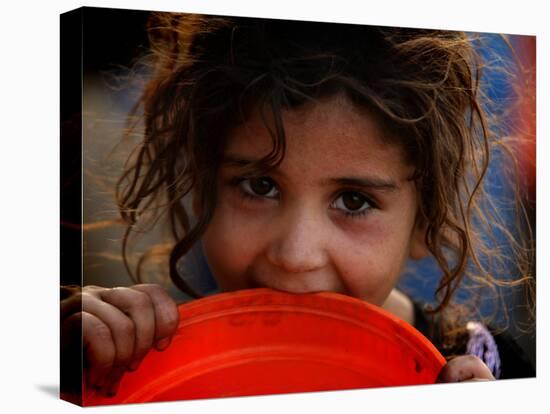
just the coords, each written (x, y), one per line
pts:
(163, 343)
(106, 392)
(113, 389)
(134, 365)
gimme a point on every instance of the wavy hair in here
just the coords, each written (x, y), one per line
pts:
(208, 73)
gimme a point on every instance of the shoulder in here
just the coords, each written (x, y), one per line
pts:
(400, 305)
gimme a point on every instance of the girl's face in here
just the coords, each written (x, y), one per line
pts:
(337, 215)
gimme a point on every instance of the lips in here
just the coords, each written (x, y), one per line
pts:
(295, 283)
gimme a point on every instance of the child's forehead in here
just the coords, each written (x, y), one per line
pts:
(332, 128)
(324, 142)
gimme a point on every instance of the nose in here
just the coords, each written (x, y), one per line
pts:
(298, 244)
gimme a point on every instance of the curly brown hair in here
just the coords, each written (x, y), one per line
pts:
(208, 73)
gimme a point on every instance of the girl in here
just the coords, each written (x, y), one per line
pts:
(315, 157)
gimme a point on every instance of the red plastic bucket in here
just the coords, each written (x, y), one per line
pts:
(260, 341)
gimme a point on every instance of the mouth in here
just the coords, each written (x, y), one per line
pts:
(294, 288)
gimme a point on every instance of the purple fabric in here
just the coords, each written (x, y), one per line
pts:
(482, 345)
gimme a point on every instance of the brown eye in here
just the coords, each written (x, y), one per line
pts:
(352, 203)
(260, 187)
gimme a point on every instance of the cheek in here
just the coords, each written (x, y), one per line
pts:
(230, 248)
(370, 263)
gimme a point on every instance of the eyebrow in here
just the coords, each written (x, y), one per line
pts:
(372, 183)
(232, 160)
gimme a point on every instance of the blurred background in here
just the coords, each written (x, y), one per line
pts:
(114, 39)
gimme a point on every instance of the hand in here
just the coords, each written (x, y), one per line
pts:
(465, 368)
(119, 327)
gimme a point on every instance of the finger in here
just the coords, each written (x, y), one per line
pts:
(71, 351)
(166, 313)
(93, 288)
(112, 382)
(138, 306)
(71, 331)
(464, 368)
(121, 326)
(68, 290)
(163, 343)
(98, 346)
(477, 380)
(72, 303)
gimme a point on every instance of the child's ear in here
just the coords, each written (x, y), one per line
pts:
(418, 247)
